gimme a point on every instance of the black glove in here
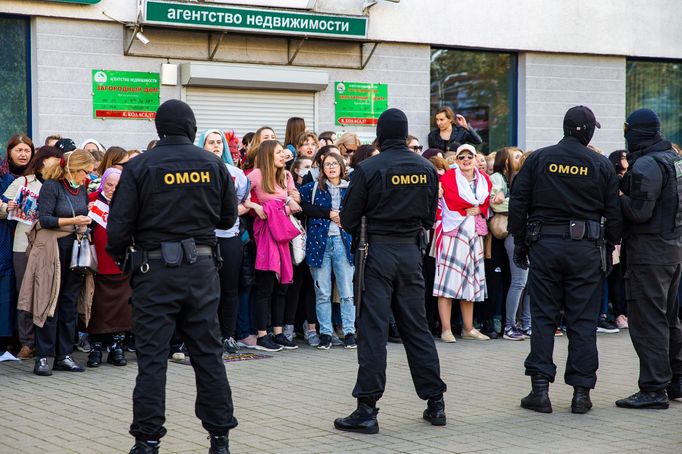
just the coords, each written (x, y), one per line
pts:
(521, 257)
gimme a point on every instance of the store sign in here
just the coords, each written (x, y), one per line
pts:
(191, 15)
(124, 94)
(359, 103)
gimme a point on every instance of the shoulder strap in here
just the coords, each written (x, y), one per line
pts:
(71, 205)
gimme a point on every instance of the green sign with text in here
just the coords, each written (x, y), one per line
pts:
(125, 94)
(359, 103)
(190, 15)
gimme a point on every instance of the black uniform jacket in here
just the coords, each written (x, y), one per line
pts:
(174, 191)
(564, 182)
(650, 207)
(396, 190)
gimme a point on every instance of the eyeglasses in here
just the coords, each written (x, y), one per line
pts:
(416, 148)
(464, 156)
(331, 165)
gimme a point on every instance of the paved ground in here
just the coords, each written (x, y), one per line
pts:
(286, 404)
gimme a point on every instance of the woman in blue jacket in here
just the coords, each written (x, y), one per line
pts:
(328, 249)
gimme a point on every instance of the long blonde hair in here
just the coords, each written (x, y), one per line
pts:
(265, 161)
(67, 167)
(348, 142)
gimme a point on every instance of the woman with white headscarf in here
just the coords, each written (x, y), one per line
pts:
(460, 270)
(111, 313)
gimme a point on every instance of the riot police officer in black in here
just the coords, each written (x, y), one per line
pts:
(168, 204)
(652, 239)
(558, 200)
(397, 193)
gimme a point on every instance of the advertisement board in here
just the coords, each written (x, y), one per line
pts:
(359, 103)
(124, 94)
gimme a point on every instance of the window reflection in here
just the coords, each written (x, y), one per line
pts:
(13, 77)
(482, 87)
(657, 85)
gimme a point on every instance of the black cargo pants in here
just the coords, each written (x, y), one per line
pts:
(186, 296)
(651, 293)
(393, 272)
(565, 274)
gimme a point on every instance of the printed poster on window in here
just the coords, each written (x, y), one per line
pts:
(99, 213)
(26, 211)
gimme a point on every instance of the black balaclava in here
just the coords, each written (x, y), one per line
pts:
(175, 118)
(642, 129)
(392, 129)
(579, 122)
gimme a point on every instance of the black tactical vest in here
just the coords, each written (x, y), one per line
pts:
(666, 219)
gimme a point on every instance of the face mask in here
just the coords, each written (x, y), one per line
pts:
(72, 183)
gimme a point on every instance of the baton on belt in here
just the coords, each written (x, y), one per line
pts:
(360, 259)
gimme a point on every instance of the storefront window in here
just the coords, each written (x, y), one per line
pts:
(482, 87)
(657, 85)
(13, 79)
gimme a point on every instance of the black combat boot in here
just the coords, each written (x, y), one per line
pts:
(145, 447)
(219, 445)
(675, 387)
(538, 399)
(435, 411)
(116, 354)
(95, 356)
(363, 420)
(581, 402)
(656, 400)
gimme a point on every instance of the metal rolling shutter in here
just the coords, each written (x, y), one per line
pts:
(247, 110)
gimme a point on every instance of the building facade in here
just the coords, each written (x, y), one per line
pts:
(512, 68)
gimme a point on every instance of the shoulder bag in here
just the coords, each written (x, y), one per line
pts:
(83, 255)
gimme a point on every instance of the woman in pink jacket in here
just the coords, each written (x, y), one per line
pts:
(270, 182)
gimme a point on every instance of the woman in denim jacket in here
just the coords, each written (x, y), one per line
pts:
(328, 249)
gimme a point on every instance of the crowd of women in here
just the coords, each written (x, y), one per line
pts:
(288, 263)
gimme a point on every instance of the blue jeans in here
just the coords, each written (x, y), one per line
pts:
(516, 289)
(335, 260)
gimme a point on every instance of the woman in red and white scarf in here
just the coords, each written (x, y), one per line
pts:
(460, 270)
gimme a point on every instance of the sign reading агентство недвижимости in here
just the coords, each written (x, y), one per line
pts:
(359, 103)
(287, 22)
(125, 94)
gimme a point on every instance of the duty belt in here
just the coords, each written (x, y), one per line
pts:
(202, 251)
(564, 231)
(392, 239)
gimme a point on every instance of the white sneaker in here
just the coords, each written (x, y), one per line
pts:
(448, 337)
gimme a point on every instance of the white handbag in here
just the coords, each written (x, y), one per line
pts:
(298, 243)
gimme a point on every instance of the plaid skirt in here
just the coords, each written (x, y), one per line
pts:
(460, 267)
